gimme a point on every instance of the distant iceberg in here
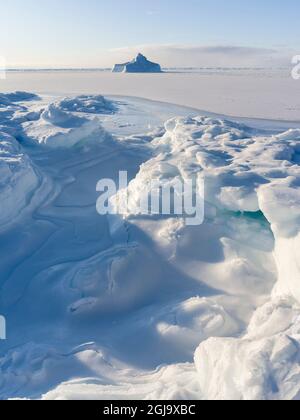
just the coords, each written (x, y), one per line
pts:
(139, 65)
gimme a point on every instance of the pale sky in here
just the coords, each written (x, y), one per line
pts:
(99, 33)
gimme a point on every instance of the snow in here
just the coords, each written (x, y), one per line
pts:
(58, 128)
(281, 204)
(139, 65)
(14, 97)
(146, 307)
(18, 179)
(249, 93)
(264, 365)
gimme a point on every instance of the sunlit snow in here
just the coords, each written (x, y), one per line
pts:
(143, 307)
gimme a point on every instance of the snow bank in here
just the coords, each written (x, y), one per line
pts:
(18, 179)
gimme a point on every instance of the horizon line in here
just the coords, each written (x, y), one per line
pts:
(62, 68)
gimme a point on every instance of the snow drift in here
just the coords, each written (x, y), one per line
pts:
(90, 104)
(147, 307)
(18, 179)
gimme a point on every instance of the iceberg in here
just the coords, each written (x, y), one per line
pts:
(139, 65)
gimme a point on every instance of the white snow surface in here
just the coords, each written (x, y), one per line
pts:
(18, 179)
(102, 307)
(250, 93)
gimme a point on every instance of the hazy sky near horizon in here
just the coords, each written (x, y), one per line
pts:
(92, 33)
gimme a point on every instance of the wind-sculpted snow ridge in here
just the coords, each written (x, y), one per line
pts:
(18, 179)
(147, 307)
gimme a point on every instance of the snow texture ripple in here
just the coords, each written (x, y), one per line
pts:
(146, 307)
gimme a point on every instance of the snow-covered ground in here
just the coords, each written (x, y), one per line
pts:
(147, 307)
(254, 93)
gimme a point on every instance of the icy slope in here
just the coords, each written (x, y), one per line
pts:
(280, 202)
(18, 179)
(147, 307)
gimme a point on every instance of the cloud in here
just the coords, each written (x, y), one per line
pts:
(207, 56)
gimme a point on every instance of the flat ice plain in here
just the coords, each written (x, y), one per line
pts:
(147, 307)
(255, 93)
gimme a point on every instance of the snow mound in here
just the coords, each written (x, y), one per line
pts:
(193, 321)
(7, 99)
(264, 365)
(57, 128)
(90, 104)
